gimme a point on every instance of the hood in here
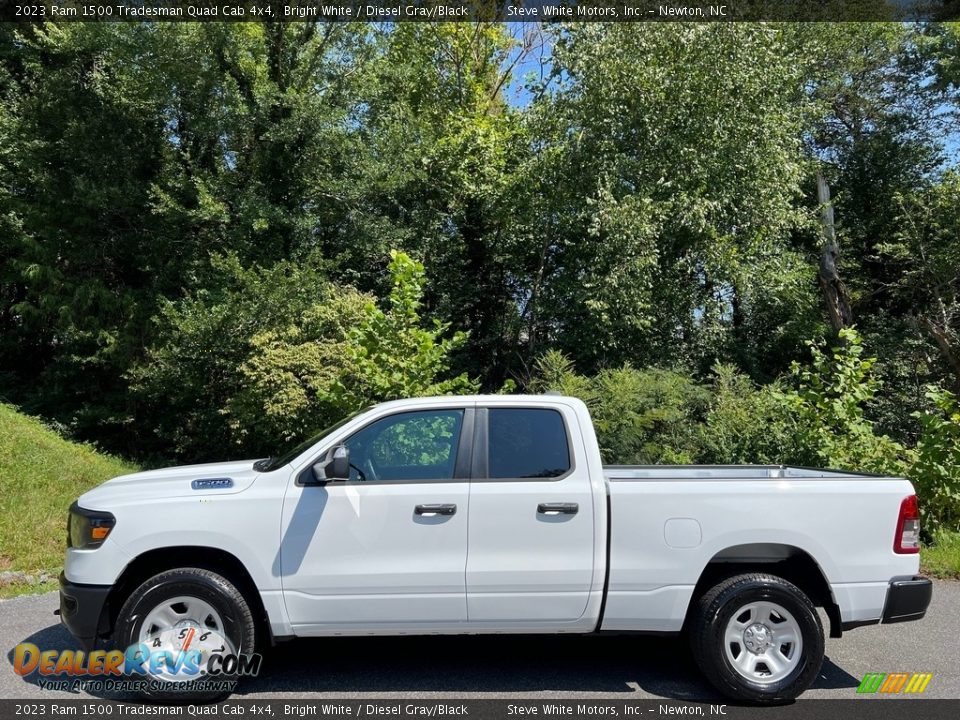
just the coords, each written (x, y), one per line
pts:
(169, 482)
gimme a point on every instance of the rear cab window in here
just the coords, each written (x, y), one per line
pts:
(527, 443)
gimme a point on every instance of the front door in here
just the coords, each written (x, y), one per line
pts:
(387, 548)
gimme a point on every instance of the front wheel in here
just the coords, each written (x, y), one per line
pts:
(758, 638)
(181, 611)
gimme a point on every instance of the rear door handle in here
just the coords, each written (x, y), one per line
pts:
(434, 510)
(558, 508)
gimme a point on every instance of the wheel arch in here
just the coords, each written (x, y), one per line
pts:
(158, 560)
(789, 562)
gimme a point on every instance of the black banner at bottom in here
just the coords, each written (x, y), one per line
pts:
(862, 708)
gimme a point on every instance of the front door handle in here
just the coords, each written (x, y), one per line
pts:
(434, 510)
(558, 508)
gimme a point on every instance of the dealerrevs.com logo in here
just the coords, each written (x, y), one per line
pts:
(188, 658)
(895, 683)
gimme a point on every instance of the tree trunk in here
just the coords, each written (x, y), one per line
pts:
(834, 291)
(946, 342)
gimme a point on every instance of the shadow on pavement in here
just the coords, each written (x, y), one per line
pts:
(482, 664)
(525, 664)
(834, 677)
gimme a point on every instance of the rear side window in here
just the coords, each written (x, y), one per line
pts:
(527, 443)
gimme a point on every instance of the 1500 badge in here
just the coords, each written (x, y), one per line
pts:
(212, 484)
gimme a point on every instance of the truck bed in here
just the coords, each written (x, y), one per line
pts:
(667, 523)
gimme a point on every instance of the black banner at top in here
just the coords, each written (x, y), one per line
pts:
(476, 10)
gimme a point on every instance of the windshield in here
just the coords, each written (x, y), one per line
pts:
(272, 463)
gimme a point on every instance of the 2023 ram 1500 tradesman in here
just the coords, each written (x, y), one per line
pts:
(494, 514)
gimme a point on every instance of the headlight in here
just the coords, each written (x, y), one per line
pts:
(87, 529)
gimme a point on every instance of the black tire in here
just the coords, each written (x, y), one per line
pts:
(715, 610)
(214, 589)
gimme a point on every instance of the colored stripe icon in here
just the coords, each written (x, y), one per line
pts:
(918, 683)
(894, 683)
(871, 682)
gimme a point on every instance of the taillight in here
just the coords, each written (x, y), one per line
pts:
(907, 539)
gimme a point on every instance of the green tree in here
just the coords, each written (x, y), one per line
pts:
(391, 354)
(135, 151)
(642, 416)
(925, 247)
(81, 265)
(674, 164)
(281, 352)
(878, 137)
(443, 148)
(197, 364)
(645, 210)
(829, 402)
(936, 470)
(746, 423)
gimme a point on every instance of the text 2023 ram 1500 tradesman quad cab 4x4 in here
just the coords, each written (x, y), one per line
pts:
(494, 514)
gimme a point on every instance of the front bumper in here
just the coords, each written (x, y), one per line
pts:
(907, 599)
(82, 610)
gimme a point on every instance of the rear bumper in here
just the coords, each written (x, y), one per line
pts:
(81, 609)
(907, 599)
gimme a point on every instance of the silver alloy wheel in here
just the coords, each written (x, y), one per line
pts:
(178, 612)
(763, 642)
(177, 624)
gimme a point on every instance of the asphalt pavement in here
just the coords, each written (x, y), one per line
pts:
(538, 667)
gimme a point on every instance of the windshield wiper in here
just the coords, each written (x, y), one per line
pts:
(263, 465)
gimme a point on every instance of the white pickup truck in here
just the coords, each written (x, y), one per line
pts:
(494, 514)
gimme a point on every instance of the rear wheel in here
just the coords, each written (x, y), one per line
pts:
(758, 638)
(187, 609)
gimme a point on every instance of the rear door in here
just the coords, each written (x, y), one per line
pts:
(531, 534)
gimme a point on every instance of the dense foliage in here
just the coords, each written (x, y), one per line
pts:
(216, 238)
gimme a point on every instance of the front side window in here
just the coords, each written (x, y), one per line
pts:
(407, 446)
(527, 443)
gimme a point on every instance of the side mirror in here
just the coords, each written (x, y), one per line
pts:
(335, 466)
(338, 467)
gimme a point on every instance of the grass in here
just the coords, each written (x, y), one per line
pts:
(941, 558)
(40, 475)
